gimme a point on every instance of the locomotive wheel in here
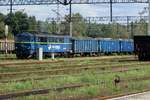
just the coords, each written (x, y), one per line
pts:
(24, 56)
(19, 56)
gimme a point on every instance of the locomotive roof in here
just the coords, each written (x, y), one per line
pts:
(38, 34)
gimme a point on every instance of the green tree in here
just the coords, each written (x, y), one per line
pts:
(2, 25)
(141, 27)
(32, 23)
(18, 22)
(78, 24)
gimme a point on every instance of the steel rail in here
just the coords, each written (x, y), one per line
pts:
(39, 91)
(72, 86)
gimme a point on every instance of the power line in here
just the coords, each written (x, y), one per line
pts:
(50, 2)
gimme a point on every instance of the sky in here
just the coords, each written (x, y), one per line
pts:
(45, 11)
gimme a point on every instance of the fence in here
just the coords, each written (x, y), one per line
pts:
(10, 46)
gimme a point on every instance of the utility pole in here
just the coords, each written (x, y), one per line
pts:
(149, 19)
(111, 10)
(70, 13)
(89, 26)
(58, 18)
(70, 19)
(132, 32)
(128, 23)
(11, 5)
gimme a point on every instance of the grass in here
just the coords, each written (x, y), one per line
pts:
(101, 84)
(92, 91)
(86, 77)
(7, 56)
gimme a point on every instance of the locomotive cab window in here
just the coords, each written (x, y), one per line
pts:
(42, 39)
(23, 39)
(59, 40)
(56, 39)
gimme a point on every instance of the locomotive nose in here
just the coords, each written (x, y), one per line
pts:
(23, 50)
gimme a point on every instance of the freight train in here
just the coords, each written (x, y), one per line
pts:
(27, 43)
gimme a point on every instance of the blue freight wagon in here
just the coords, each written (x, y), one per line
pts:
(85, 45)
(126, 46)
(109, 46)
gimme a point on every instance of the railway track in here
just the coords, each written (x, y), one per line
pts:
(30, 62)
(40, 91)
(71, 70)
(18, 67)
(76, 74)
(35, 66)
(53, 64)
(59, 66)
(68, 86)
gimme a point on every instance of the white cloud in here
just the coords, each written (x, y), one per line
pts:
(128, 9)
(91, 10)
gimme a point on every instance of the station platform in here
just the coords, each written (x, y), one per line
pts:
(139, 96)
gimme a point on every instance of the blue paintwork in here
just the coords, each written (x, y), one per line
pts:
(126, 45)
(85, 45)
(57, 48)
(27, 44)
(109, 46)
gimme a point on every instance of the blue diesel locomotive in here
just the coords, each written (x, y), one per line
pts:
(27, 43)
